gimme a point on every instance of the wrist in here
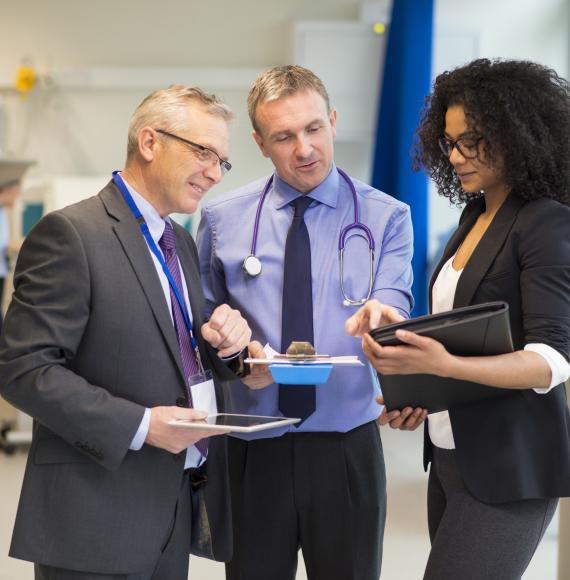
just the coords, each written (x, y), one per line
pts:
(449, 367)
(236, 364)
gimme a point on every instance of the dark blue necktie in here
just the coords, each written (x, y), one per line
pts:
(190, 366)
(297, 310)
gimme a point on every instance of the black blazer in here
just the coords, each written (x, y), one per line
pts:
(517, 447)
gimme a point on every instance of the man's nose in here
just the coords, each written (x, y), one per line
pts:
(214, 172)
(304, 147)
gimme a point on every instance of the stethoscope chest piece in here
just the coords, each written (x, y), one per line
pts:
(252, 266)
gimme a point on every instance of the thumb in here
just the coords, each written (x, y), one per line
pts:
(192, 414)
(413, 338)
(255, 349)
(210, 335)
(380, 399)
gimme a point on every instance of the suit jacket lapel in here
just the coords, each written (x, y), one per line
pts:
(486, 251)
(455, 241)
(136, 249)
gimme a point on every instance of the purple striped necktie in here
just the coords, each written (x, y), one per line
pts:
(190, 366)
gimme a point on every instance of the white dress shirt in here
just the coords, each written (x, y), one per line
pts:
(156, 227)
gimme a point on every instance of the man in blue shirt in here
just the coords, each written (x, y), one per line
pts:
(319, 485)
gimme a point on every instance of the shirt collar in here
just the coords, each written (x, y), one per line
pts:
(326, 192)
(152, 218)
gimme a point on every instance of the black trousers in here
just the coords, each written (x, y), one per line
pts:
(174, 557)
(472, 540)
(324, 493)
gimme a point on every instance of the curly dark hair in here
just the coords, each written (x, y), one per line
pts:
(521, 109)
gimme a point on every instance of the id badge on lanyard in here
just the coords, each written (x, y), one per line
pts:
(203, 392)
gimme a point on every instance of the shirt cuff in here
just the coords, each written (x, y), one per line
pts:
(559, 367)
(231, 357)
(142, 432)
(235, 363)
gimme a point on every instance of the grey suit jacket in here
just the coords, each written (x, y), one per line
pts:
(88, 343)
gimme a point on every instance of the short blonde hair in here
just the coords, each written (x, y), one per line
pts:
(166, 109)
(283, 81)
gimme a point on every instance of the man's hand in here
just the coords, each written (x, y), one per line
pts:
(227, 331)
(407, 419)
(372, 315)
(260, 376)
(175, 439)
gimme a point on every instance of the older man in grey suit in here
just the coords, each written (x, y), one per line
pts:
(104, 330)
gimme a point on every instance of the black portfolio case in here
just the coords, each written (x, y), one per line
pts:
(482, 329)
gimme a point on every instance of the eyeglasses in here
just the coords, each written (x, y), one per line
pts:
(467, 146)
(205, 154)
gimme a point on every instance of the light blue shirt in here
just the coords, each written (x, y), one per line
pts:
(156, 227)
(347, 400)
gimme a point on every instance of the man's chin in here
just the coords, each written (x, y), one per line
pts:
(188, 207)
(305, 185)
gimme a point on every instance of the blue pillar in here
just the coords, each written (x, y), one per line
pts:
(406, 82)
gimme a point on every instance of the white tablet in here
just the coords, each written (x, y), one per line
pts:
(239, 423)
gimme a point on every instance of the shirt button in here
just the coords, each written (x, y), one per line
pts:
(182, 402)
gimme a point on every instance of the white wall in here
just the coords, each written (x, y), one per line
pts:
(77, 131)
(81, 130)
(537, 30)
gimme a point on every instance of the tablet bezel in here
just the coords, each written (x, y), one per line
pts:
(278, 422)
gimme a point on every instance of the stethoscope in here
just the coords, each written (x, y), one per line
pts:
(252, 264)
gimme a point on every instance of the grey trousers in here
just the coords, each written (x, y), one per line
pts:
(472, 540)
(174, 557)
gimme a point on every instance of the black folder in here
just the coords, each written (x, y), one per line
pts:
(482, 329)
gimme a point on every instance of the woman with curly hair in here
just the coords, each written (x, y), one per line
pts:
(495, 135)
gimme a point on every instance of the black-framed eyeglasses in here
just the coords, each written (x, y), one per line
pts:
(205, 154)
(467, 146)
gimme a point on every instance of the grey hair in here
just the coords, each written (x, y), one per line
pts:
(283, 81)
(166, 109)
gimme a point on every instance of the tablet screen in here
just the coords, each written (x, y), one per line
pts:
(241, 420)
(228, 422)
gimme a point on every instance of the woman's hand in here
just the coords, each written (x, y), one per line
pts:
(420, 355)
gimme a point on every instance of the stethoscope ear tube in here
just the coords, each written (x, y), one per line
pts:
(252, 264)
(346, 300)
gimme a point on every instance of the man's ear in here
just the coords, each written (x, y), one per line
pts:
(259, 140)
(332, 119)
(148, 143)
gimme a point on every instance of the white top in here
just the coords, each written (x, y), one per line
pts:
(443, 295)
(201, 398)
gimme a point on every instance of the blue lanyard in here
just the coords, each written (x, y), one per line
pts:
(154, 249)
